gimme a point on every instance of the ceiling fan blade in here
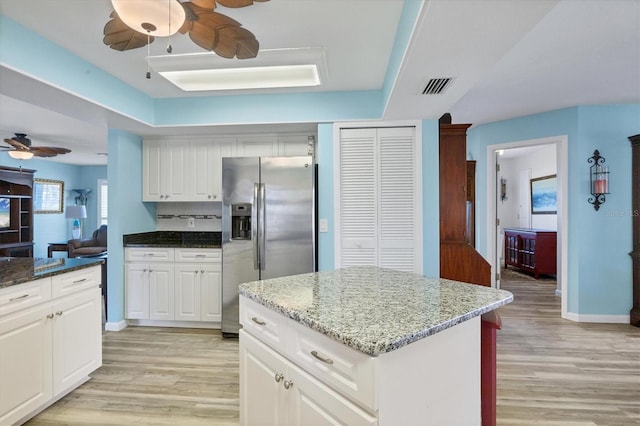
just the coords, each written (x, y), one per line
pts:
(232, 3)
(118, 36)
(215, 31)
(205, 4)
(48, 151)
(16, 144)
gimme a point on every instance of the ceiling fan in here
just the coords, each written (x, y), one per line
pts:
(207, 28)
(23, 150)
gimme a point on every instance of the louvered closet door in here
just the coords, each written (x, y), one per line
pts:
(357, 198)
(378, 199)
(396, 199)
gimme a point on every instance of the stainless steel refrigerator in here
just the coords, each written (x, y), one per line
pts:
(268, 224)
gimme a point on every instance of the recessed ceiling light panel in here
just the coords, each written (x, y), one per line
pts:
(279, 68)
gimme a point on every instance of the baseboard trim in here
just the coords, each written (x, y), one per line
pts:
(115, 326)
(605, 319)
(176, 324)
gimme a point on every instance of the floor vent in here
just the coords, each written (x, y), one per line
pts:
(436, 86)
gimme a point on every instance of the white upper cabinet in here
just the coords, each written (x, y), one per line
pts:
(190, 169)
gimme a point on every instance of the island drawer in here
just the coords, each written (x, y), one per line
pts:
(75, 281)
(25, 295)
(198, 255)
(264, 324)
(148, 254)
(344, 369)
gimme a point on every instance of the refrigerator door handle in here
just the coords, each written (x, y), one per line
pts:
(254, 226)
(262, 228)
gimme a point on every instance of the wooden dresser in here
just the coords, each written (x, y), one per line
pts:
(531, 250)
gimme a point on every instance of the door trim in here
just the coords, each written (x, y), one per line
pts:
(562, 166)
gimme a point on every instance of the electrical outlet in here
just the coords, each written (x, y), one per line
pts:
(191, 222)
(323, 225)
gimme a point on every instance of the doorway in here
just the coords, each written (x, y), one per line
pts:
(494, 198)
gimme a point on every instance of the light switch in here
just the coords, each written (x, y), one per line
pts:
(324, 225)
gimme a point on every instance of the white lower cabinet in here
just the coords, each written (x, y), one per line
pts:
(276, 392)
(174, 284)
(48, 348)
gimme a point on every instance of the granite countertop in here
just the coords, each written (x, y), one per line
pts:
(374, 310)
(174, 239)
(18, 270)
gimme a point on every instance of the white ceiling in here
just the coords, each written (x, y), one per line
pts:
(507, 58)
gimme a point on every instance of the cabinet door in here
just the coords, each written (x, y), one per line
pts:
(187, 292)
(77, 338)
(293, 145)
(222, 148)
(25, 362)
(152, 170)
(211, 293)
(313, 403)
(137, 290)
(202, 172)
(263, 400)
(161, 292)
(257, 146)
(177, 165)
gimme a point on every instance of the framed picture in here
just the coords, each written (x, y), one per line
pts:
(47, 196)
(544, 195)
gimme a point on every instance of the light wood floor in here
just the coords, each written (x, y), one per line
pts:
(550, 372)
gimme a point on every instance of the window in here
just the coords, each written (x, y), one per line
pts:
(103, 196)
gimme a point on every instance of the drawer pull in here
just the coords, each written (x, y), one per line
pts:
(59, 313)
(79, 281)
(257, 321)
(18, 298)
(201, 255)
(288, 384)
(321, 358)
(50, 316)
(279, 377)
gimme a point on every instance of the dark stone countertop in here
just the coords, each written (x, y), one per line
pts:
(174, 239)
(18, 270)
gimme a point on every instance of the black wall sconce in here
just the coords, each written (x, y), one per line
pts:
(599, 178)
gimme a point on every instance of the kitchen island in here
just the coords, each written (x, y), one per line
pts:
(362, 345)
(50, 331)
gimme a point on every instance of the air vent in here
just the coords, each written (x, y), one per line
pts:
(436, 86)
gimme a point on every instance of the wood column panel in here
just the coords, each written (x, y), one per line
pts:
(634, 316)
(453, 179)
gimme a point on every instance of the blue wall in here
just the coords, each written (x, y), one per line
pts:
(599, 270)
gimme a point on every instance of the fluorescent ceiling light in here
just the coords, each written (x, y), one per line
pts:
(271, 69)
(245, 78)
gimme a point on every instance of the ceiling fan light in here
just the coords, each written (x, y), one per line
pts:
(20, 155)
(167, 16)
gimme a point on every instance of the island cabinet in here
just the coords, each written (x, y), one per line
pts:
(50, 340)
(180, 286)
(531, 250)
(293, 375)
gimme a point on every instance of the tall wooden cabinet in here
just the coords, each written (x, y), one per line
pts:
(635, 209)
(16, 212)
(458, 259)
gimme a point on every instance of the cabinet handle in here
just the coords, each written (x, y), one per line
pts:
(18, 298)
(321, 358)
(257, 321)
(202, 271)
(201, 255)
(59, 313)
(50, 316)
(288, 384)
(196, 271)
(79, 281)
(279, 377)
